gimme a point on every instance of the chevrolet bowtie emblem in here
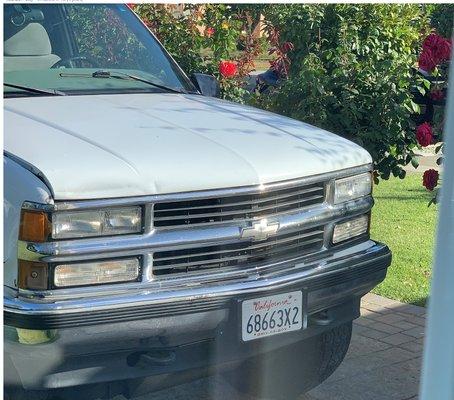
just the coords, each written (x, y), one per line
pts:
(260, 230)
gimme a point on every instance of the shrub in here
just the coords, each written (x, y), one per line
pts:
(207, 38)
(442, 18)
(351, 73)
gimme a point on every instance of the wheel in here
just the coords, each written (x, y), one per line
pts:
(289, 372)
(335, 344)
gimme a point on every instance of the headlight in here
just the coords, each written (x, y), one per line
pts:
(353, 187)
(350, 229)
(89, 223)
(96, 273)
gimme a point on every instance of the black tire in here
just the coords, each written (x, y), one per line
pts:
(289, 372)
(335, 344)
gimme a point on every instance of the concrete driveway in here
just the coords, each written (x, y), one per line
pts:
(383, 362)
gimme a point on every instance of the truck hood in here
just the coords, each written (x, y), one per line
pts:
(103, 146)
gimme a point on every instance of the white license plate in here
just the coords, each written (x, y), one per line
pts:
(271, 315)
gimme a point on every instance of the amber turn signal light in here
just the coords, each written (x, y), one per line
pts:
(33, 275)
(34, 226)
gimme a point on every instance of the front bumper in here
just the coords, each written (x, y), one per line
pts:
(104, 339)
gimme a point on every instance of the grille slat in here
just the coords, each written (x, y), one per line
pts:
(238, 254)
(242, 203)
(237, 212)
(251, 247)
(206, 263)
(237, 208)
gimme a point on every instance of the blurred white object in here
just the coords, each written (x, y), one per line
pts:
(438, 368)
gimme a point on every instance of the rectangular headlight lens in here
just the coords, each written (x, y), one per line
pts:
(352, 187)
(350, 229)
(89, 223)
(96, 273)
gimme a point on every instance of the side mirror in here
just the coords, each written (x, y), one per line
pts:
(208, 85)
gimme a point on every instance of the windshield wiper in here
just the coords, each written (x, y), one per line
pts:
(29, 89)
(122, 75)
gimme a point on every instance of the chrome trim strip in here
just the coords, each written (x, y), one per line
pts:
(86, 204)
(288, 273)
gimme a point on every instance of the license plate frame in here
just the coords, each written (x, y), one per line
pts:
(264, 306)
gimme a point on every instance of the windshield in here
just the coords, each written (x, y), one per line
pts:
(63, 48)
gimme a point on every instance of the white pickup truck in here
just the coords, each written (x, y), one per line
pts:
(154, 234)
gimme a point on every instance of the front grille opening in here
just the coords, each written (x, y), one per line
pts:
(237, 208)
(283, 246)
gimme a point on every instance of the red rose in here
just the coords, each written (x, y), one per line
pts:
(227, 69)
(209, 32)
(439, 47)
(424, 134)
(426, 61)
(131, 5)
(437, 95)
(287, 46)
(430, 179)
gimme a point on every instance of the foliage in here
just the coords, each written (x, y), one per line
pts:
(442, 18)
(206, 38)
(351, 74)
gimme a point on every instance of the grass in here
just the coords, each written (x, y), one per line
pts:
(402, 220)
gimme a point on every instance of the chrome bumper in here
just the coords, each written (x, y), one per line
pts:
(133, 304)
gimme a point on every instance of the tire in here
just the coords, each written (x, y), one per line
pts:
(335, 344)
(289, 372)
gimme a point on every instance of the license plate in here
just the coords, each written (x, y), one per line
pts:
(271, 315)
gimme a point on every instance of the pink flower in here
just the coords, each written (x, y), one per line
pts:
(131, 5)
(424, 134)
(209, 31)
(426, 61)
(430, 179)
(227, 69)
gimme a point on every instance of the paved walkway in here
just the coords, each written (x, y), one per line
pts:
(427, 159)
(383, 362)
(384, 359)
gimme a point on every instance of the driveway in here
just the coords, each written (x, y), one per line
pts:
(383, 362)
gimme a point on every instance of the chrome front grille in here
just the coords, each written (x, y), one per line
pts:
(281, 246)
(237, 208)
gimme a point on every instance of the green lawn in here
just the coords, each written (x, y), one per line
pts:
(402, 220)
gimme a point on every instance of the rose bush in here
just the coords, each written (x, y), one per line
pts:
(211, 38)
(432, 98)
(350, 72)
